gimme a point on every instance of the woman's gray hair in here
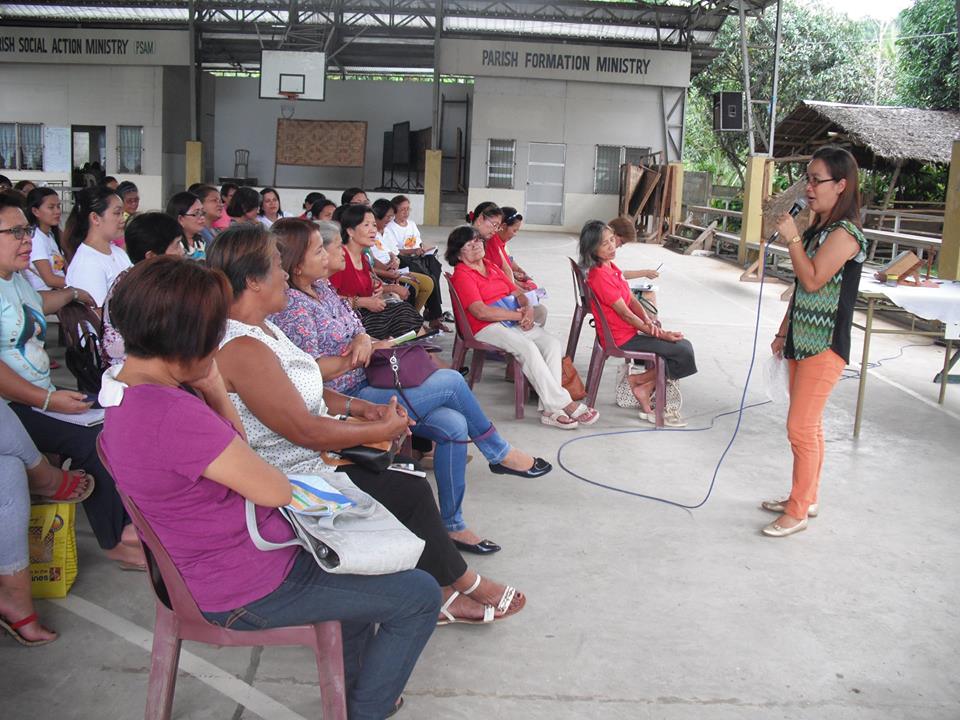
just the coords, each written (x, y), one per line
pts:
(329, 230)
(590, 238)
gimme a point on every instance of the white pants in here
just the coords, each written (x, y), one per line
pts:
(540, 356)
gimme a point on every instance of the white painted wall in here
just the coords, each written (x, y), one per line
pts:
(578, 115)
(243, 120)
(65, 95)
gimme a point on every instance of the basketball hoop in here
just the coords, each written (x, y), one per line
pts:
(287, 111)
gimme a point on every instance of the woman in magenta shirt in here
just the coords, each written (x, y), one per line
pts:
(630, 326)
(183, 459)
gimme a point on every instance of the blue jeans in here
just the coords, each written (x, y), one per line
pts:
(376, 665)
(17, 454)
(447, 412)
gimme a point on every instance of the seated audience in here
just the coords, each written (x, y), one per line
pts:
(5, 183)
(624, 231)
(321, 324)
(354, 196)
(322, 210)
(187, 209)
(130, 197)
(25, 471)
(47, 269)
(308, 202)
(629, 323)
(191, 478)
(404, 235)
(25, 186)
(111, 182)
(479, 283)
(270, 210)
(496, 246)
(244, 206)
(365, 293)
(25, 384)
(94, 260)
(227, 191)
(148, 235)
(287, 415)
(386, 264)
(213, 210)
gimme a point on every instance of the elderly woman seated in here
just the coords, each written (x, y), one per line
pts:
(625, 231)
(289, 418)
(191, 478)
(489, 299)
(445, 409)
(629, 323)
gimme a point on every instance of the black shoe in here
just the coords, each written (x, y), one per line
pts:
(484, 547)
(464, 370)
(540, 467)
(447, 316)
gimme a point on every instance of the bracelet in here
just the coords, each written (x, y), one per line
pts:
(46, 402)
(346, 409)
(793, 241)
(778, 335)
(75, 294)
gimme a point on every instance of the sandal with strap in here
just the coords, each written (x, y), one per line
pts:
(560, 420)
(13, 627)
(70, 481)
(489, 611)
(585, 415)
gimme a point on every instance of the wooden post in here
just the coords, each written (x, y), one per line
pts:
(431, 188)
(194, 163)
(676, 195)
(949, 268)
(751, 226)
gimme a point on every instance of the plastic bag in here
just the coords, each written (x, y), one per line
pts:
(776, 379)
(53, 549)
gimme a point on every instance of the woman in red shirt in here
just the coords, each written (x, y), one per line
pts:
(381, 318)
(630, 325)
(480, 284)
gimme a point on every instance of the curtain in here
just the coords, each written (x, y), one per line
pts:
(31, 147)
(130, 148)
(8, 145)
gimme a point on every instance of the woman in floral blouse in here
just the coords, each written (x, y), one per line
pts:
(445, 410)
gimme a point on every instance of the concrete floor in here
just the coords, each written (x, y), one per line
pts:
(635, 609)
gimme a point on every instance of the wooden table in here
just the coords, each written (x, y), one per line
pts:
(871, 295)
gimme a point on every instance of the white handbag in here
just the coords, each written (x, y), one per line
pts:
(362, 540)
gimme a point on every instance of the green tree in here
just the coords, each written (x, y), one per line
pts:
(928, 66)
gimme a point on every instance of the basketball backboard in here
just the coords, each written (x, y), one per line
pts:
(284, 71)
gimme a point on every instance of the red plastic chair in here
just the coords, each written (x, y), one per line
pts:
(465, 340)
(609, 349)
(580, 310)
(178, 618)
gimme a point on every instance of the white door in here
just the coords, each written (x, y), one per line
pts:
(545, 184)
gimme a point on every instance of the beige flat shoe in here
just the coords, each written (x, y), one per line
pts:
(780, 507)
(775, 530)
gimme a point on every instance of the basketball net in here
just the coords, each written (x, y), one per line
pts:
(289, 108)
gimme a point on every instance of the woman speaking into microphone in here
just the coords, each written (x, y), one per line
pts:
(814, 335)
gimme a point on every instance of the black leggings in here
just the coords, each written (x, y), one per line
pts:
(427, 265)
(394, 320)
(410, 499)
(104, 509)
(679, 355)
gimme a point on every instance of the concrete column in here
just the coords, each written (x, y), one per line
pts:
(949, 268)
(676, 195)
(431, 188)
(751, 226)
(194, 163)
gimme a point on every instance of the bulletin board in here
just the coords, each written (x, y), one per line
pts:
(327, 143)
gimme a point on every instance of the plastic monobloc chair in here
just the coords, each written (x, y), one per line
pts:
(465, 341)
(609, 349)
(178, 618)
(241, 160)
(581, 308)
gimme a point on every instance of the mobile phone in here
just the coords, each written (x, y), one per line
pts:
(92, 399)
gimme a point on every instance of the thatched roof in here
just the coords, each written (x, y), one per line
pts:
(871, 132)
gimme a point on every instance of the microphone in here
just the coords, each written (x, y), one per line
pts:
(797, 208)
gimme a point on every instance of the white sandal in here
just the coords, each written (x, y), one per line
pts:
(489, 611)
(554, 419)
(581, 411)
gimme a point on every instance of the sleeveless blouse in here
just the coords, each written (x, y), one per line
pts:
(821, 320)
(306, 377)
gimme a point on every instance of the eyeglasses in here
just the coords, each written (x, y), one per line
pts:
(474, 241)
(817, 182)
(19, 232)
(197, 214)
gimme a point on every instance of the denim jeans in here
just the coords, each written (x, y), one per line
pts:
(447, 412)
(376, 664)
(17, 454)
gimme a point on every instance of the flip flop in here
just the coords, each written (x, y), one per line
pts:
(585, 415)
(132, 567)
(70, 481)
(13, 627)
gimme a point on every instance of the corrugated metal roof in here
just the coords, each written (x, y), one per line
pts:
(80, 12)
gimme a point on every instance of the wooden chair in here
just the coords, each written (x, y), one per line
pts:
(178, 618)
(465, 341)
(580, 310)
(609, 349)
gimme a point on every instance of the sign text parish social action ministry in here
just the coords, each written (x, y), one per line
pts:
(554, 61)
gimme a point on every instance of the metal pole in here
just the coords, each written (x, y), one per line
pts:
(745, 62)
(776, 76)
(435, 138)
(864, 364)
(194, 99)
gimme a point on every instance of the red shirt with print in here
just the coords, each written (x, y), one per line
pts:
(350, 281)
(608, 285)
(495, 250)
(472, 286)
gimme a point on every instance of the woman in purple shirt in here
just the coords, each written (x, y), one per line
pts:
(183, 459)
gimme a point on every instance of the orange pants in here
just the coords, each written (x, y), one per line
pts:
(811, 382)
